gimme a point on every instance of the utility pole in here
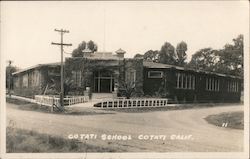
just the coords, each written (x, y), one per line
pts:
(62, 76)
(9, 72)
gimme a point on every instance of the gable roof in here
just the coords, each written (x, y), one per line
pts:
(54, 64)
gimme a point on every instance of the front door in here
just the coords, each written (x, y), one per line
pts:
(103, 82)
(105, 85)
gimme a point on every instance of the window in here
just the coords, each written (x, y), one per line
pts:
(233, 86)
(25, 80)
(77, 78)
(37, 77)
(185, 81)
(131, 75)
(212, 84)
(155, 74)
(193, 85)
(34, 78)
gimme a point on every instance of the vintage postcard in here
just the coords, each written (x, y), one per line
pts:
(124, 79)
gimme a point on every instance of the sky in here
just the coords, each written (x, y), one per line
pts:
(27, 28)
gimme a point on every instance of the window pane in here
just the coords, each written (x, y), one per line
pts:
(155, 74)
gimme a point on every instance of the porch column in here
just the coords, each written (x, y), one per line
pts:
(116, 82)
(88, 83)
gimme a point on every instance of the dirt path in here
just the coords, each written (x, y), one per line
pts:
(200, 136)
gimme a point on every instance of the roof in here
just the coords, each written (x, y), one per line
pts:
(148, 64)
(103, 56)
(160, 65)
(37, 66)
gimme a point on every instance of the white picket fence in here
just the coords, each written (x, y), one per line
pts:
(47, 100)
(76, 99)
(133, 103)
(50, 100)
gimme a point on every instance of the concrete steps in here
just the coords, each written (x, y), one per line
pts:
(102, 96)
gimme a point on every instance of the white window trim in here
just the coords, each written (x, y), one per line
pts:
(185, 81)
(149, 74)
(178, 80)
(193, 82)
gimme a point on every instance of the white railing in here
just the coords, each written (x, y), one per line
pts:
(50, 100)
(133, 103)
(47, 100)
(76, 99)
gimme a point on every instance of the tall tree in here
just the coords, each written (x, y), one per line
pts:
(167, 54)
(138, 56)
(151, 55)
(9, 78)
(204, 59)
(92, 46)
(78, 51)
(181, 49)
(231, 58)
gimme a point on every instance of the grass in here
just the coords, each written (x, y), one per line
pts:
(24, 105)
(25, 141)
(16, 101)
(234, 120)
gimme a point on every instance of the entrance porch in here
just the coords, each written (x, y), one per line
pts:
(103, 81)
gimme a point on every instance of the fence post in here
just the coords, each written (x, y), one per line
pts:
(52, 106)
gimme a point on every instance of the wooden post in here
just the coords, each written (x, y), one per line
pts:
(62, 75)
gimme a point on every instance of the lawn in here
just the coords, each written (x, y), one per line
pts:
(25, 141)
(234, 120)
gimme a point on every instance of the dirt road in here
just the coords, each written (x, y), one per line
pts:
(175, 131)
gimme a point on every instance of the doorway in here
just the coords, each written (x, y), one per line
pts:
(103, 81)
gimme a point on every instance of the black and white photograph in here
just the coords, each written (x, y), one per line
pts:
(124, 79)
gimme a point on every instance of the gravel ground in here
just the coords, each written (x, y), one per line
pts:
(181, 130)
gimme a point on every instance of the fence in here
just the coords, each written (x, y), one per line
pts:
(133, 103)
(76, 99)
(69, 100)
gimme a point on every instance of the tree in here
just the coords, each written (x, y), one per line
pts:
(92, 46)
(228, 60)
(127, 88)
(181, 49)
(78, 51)
(138, 56)
(167, 54)
(151, 55)
(204, 59)
(9, 77)
(231, 58)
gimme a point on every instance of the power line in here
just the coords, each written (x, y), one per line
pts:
(67, 52)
